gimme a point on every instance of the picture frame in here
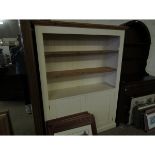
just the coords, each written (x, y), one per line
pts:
(76, 124)
(149, 120)
(142, 102)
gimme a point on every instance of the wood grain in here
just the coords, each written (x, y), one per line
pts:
(33, 75)
(76, 24)
(85, 71)
(77, 53)
(71, 122)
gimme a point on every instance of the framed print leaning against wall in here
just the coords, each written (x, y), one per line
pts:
(149, 119)
(76, 124)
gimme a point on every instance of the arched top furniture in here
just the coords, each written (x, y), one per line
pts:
(135, 82)
(136, 50)
(137, 32)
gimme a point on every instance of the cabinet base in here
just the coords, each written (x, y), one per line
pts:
(106, 127)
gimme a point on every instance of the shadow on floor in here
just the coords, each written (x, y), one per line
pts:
(126, 130)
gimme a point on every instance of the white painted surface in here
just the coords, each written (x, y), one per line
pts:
(65, 106)
(42, 69)
(84, 43)
(98, 103)
(102, 102)
(82, 89)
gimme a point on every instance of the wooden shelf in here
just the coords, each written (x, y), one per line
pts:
(77, 53)
(66, 92)
(85, 71)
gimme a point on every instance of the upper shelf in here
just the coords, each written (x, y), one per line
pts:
(76, 53)
(76, 72)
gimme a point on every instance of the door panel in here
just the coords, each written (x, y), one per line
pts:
(99, 104)
(65, 106)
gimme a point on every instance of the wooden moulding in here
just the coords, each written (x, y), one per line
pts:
(76, 24)
(32, 72)
(71, 122)
(77, 53)
(85, 71)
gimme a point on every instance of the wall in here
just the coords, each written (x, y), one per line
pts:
(150, 68)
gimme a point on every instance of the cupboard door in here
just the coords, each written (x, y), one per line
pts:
(65, 106)
(113, 106)
(100, 104)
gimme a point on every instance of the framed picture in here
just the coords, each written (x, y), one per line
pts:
(76, 124)
(149, 120)
(142, 102)
(83, 130)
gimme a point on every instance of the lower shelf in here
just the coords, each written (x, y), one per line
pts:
(66, 92)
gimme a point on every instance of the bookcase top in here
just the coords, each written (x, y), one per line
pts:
(77, 24)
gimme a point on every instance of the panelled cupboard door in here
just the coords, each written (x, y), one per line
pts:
(65, 106)
(113, 106)
(100, 104)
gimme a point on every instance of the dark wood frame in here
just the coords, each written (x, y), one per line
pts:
(150, 111)
(7, 127)
(76, 24)
(31, 60)
(71, 122)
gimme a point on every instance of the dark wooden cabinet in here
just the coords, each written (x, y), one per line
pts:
(134, 81)
(12, 86)
(130, 90)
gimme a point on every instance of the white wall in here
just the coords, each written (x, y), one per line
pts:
(150, 68)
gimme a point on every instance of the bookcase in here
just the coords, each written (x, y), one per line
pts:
(80, 71)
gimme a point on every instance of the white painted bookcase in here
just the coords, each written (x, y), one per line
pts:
(80, 71)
